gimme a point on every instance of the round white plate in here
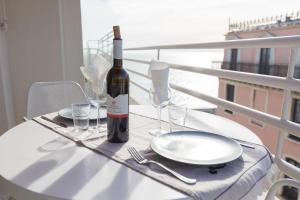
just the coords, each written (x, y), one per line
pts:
(195, 147)
(67, 113)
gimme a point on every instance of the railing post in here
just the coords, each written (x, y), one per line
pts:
(102, 46)
(89, 52)
(107, 43)
(286, 108)
(98, 46)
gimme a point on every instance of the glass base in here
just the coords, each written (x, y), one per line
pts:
(99, 129)
(157, 132)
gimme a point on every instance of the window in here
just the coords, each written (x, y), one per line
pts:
(264, 60)
(289, 192)
(233, 59)
(259, 98)
(295, 117)
(229, 95)
(230, 92)
(297, 67)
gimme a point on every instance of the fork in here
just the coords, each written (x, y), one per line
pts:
(139, 158)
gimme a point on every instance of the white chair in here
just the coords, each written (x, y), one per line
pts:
(279, 184)
(46, 97)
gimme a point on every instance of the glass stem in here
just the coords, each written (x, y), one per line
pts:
(98, 116)
(159, 118)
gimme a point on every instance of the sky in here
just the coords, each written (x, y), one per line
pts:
(153, 22)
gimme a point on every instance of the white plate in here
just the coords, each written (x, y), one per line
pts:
(195, 147)
(67, 113)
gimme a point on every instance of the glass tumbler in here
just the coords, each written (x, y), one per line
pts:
(80, 113)
(177, 116)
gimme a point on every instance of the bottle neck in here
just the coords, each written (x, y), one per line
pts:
(118, 63)
(117, 53)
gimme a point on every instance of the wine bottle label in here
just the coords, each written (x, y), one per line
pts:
(117, 49)
(117, 107)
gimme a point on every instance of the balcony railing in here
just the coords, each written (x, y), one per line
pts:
(272, 70)
(289, 84)
(103, 46)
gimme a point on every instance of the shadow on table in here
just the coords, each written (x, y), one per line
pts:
(44, 165)
(54, 145)
(121, 187)
(110, 148)
(77, 177)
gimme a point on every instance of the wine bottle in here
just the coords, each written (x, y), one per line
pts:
(117, 95)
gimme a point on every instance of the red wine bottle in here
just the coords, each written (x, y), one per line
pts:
(117, 95)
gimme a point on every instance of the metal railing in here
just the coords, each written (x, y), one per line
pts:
(272, 70)
(288, 84)
(103, 47)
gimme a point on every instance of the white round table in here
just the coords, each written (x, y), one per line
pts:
(73, 172)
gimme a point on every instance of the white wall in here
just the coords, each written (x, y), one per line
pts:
(71, 34)
(7, 114)
(3, 118)
(7, 117)
(43, 43)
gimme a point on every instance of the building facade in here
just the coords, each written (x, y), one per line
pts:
(268, 61)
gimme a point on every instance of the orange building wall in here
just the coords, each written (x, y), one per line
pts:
(269, 100)
(268, 134)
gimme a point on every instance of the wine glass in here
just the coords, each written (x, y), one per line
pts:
(98, 99)
(159, 99)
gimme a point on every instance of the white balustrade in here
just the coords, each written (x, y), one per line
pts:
(288, 84)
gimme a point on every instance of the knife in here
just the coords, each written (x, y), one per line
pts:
(55, 122)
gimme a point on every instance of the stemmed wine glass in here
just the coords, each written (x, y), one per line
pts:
(159, 99)
(98, 99)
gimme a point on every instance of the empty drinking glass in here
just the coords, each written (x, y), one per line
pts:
(80, 112)
(159, 93)
(98, 99)
(159, 101)
(177, 115)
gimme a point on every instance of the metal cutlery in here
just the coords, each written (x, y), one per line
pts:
(139, 158)
(55, 122)
(242, 143)
(247, 146)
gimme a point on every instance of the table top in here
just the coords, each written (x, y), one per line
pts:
(74, 172)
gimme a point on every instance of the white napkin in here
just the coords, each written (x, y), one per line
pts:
(159, 73)
(96, 73)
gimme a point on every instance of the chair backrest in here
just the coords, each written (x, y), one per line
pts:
(46, 97)
(279, 184)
